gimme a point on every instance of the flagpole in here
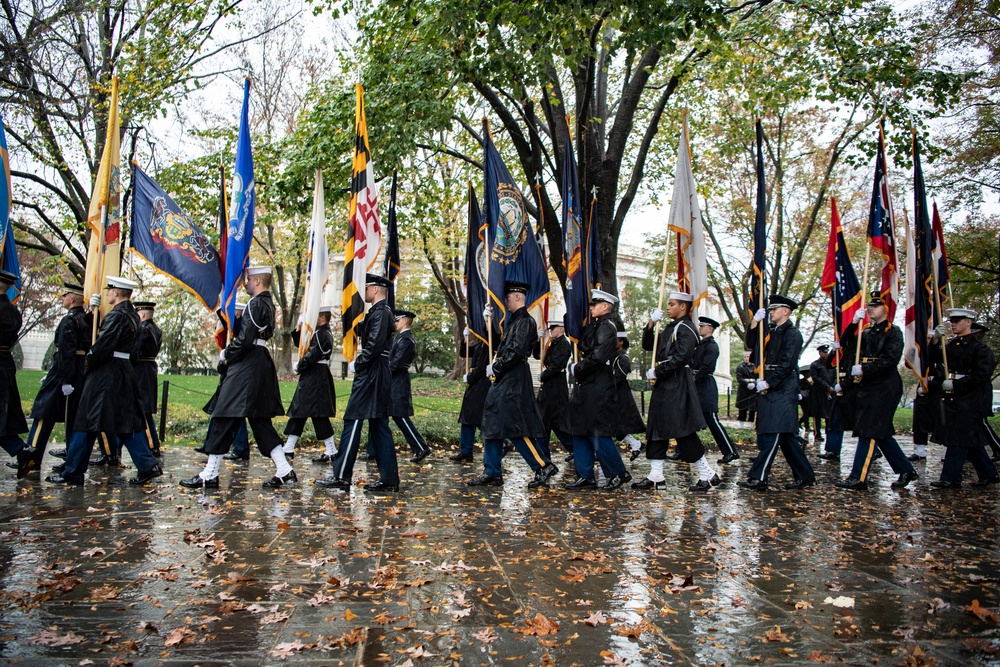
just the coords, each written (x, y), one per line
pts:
(541, 227)
(659, 303)
(466, 353)
(100, 272)
(861, 326)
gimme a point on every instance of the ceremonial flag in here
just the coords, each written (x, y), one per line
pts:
(577, 250)
(104, 214)
(758, 271)
(221, 334)
(164, 236)
(475, 270)
(839, 279)
(940, 259)
(318, 271)
(685, 221)
(239, 234)
(392, 263)
(8, 249)
(364, 234)
(514, 253)
(882, 230)
(920, 311)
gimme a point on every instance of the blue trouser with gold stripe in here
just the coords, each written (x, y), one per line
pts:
(534, 451)
(865, 453)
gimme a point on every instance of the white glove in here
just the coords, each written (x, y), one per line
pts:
(301, 320)
(95, 300)
(762, 385)
(488, 312)
(837, 388)
(860, 314)
(295, 367)
(350, 368)
(541, 333)
(489, 370)
(948, 385)
(465, 334)
(752, 385)
(465, 378)
(759, 315)
(943, 329)
(651, 374)
(656, 315)
(800, 397)
(856, 369)
(67, 389)
(834, 346)
(222, 355)
(920, 390)
(572, 368)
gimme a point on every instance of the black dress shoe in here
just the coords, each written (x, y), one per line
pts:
(729, 458)
(197, 482)
(157, 453)
(830, 456)
(421, 456)
(904, 479)
(233, 456)
(582, 483)
(673, 457)
(702, 486)
(507, 449)
(916, 457)
(59, 479)
(144, 477)
(323, 458)
(58, 453)
(647, 484)
(278, 482)
(101, 460)
(569, 457)
(800, 484)
(379, 486)
(200, 449)
(333, 483)
(11, 464)
(941, 484)
(59, 468)
(755, 484)
(289, 456)
(542, 476)
(486, 480)
(636, 453)
(852, 484)
(618, 481)
(982, 483)
(461, 458)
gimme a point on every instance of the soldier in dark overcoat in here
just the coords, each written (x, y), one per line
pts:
(706, 356)
(593, 418)
(553, 392)
(401, 355)
(241, 441)
(878, 390)
(746, 398)
(821, 394)
(510, 411)
(964, 392)
(629, 418)
(992, 439)
(250, 390)
(477, 385)
(147, 346)
(370, 397)
(109, 400)
(315, 397)
(12, 421)
(777, 397)
(674, 409)
(59, 395)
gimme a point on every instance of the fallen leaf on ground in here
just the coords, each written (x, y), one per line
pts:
(982, 613)
(539, 626)
(282, 651)
(595, 619)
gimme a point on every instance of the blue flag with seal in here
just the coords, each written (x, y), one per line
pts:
(241, 216)
(170, 242)
(578, 252)
(514, 254)
(8, 249)
(475, 270)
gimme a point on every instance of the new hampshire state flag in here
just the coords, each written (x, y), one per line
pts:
(164, 236)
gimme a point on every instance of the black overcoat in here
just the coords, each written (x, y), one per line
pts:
(971, 366)
(476, 388)
(877, 394)
(593, 406)
(778, 407)
(401, 354)
(147, 346)
(314, 392)
(12, 421)
(109, 400)
(210, 406)
(510, 410)
(370, 391)
(553, 394)
(72, 340)
(746, 398)
(820, 396)
(250, 388)
(629, 419)
(674, 408)
(706, 356)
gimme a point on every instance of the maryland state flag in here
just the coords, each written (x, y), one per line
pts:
(839, 279)
(242, 207)
(164, 236)
(685, 221)
(513, 251)
(392, 261)
(920, 312)
(8, 249)
(580, 251)
(104, 217)
(475, 270)
(364, 234)
(882, 230)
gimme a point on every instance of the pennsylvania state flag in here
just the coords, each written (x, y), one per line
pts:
(164, 236)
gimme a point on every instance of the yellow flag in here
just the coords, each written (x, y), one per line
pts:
(105, 214)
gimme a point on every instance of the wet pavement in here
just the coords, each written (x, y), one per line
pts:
(444, 574)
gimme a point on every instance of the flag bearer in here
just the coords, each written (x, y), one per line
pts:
(147, 346)
(706, 356)
(315, 397)
(401, 355)
(629, 418)
(553, 394)
(477, 385)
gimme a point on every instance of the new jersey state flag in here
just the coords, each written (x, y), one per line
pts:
(164, 236)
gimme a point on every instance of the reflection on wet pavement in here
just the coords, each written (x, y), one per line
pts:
(446, 574)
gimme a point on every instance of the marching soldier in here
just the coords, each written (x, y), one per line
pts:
(510, 411)
(315, 396)
(12, 421)
(821, 394)
(370, 397)
(59, 395)
(401, 355)
(553, 394)
(477, 385)
(706, 356)
(980, 330)
(964, 392)
(674, 409)
(241, 442)
(746, 398)
(109, 400)
(629, 419)
(147, 346)
(878, 391)
(594, 403)
(250, 391)
(777, 397)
